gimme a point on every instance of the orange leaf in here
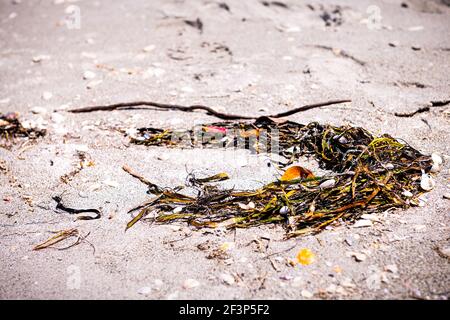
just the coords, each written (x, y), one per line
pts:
(296, 172)
(305, 257)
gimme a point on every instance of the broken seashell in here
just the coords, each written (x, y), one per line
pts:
(427, 183)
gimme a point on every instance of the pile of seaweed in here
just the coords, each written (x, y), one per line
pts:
(11, 128)
(369, 174)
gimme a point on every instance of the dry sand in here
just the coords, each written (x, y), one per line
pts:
(277, 60)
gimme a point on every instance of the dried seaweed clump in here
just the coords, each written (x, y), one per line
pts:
(11, 128)
(369, 174)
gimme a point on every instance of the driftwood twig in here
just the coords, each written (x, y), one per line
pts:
(210, 111)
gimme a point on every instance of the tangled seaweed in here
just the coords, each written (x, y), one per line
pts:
(370, 174)
(11, 128)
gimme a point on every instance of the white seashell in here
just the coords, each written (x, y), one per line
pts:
(177, 210)
(427, 183)
(249, 206)
(435, 168)
(327, 184)
(343, 140)
(436, 158)
(407, 194)
(389, 166)
(284, 210)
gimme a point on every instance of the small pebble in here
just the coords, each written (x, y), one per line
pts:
(446, 195)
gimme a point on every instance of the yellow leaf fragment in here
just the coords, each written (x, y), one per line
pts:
(305, 257)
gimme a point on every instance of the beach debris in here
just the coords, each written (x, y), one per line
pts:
(295, 173)
(305, 257)
(84, 161)
(11, 128)
(357, 181)
(210, 111)
(426, 182)
(60, 206)
(61, 236)
(431, 104)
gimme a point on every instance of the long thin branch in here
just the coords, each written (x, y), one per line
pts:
(210, 111)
